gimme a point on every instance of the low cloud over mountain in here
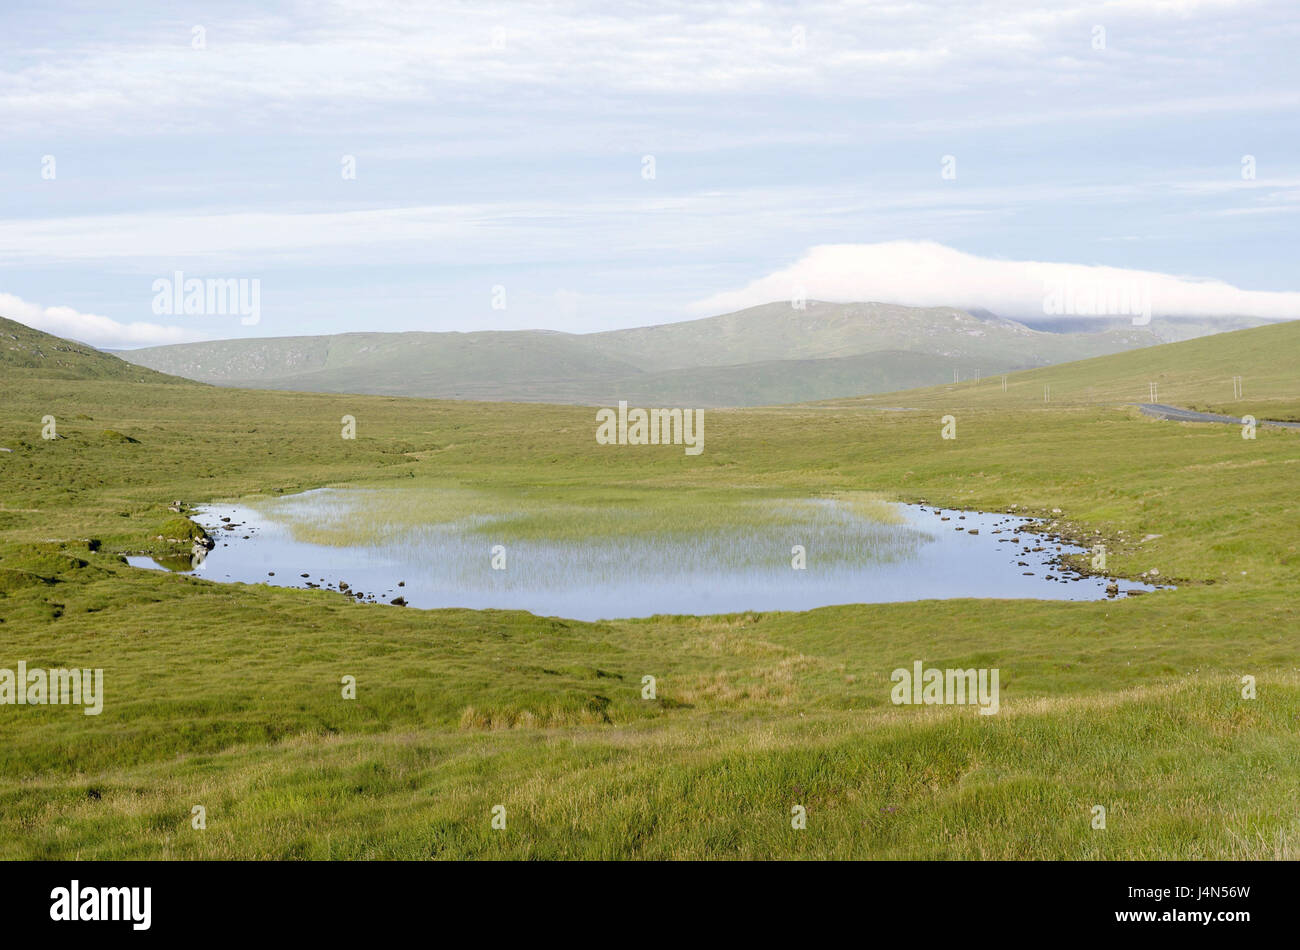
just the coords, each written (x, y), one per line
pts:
(926, 274)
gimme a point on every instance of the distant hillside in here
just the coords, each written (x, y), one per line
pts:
(1169, 329)
(761, 356)
(28, 352)
(1193, 374)
(776, 331)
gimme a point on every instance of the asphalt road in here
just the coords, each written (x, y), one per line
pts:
(1175, 414)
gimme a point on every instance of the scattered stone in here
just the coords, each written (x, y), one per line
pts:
(398, 601)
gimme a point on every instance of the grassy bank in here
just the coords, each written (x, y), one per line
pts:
(229, 696)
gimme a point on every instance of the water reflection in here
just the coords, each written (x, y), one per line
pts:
(845, 557)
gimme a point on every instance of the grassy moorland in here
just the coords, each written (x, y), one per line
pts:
(1194, 374)
(229, 696)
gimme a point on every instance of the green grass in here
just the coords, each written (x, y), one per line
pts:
(1195, 374)
(229, 696)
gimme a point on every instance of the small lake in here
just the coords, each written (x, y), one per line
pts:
(920, 553)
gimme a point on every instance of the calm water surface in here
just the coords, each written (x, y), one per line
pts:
(850, 559)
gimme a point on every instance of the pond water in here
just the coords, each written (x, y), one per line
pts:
(849, 558)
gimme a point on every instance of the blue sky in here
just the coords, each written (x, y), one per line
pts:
(503, 145)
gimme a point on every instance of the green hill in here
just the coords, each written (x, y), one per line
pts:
(761, 356)
(1194, 374)
(33, 353)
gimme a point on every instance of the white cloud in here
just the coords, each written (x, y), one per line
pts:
(343, 58)
(91, 328)
(925, 274)
(636, 218)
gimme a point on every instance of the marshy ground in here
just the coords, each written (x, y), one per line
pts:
(229, 696)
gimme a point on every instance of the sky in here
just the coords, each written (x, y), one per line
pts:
(367, 165)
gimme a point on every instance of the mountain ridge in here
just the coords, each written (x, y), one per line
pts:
(26, 351)
(759, 356)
